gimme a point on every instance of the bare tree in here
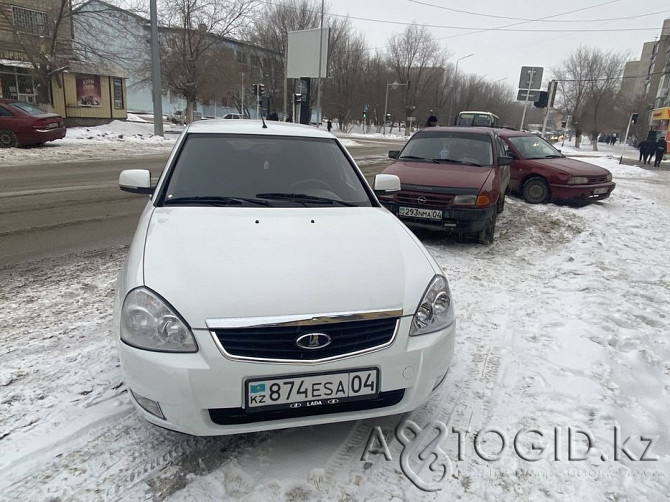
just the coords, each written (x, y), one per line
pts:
(411, 56)
(44, 37)
(587, 83)
(196, 26)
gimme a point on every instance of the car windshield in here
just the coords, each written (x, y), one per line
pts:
(449, 147)
(534, 147)
(263, 171)
(28, 108)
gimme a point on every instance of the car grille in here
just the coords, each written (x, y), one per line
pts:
(234, 416)
(279, 342)
(431, 199)
(597, 179)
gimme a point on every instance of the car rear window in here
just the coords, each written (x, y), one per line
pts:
(29, 109)
(462, 147)
(246, 166)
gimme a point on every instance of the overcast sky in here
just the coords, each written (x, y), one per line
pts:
(540, 36)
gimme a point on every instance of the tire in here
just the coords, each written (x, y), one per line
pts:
(500, 207)
(536, 191)
(7, 139)
(487, 234)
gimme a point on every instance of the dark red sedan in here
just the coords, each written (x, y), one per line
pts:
(24, 124)
(541, 173)
(450, 178)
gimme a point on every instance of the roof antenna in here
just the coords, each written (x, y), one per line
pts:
(263, 119)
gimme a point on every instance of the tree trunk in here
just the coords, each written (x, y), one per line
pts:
(190, 106)
(594, 140)
(578, 136)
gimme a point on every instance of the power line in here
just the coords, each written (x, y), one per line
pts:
(493, 16)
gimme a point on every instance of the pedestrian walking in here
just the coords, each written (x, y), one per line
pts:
(642, 146)
(661, 147)
(431, 122)
(330, 125)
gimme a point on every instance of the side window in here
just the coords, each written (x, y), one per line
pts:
(5, 113)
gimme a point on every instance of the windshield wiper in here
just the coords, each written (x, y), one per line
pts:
(302, 198)
(214, 200)
(454, 161)
(412, 157)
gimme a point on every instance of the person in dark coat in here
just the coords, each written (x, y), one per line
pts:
(661, 147)
(644, 151)
(431, 122)
(330, 125)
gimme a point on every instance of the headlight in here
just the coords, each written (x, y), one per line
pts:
(466, 200)
(435, 310)
(609, 177)
(147, 322)
(578, 180)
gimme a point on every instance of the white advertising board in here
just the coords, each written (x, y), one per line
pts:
(303, 53)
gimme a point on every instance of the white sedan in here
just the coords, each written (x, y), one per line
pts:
(266, 287)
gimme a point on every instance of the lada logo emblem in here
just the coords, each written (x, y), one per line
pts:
(312, 341)
(421, 200)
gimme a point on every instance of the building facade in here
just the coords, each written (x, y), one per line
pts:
(107, 33)
(39, 64)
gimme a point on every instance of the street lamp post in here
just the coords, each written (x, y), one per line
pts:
(394, 85)
(451, 101)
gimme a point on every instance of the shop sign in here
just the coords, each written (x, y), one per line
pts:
(88, 90)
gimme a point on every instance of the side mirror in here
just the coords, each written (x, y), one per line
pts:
(393, 154)
(386, 184)
(505, 160)
(136, 181)
(510, 153)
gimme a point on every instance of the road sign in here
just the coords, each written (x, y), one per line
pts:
(532, 95)
(531, 77)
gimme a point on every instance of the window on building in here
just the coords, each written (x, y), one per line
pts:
(117, 86)
(29, 21)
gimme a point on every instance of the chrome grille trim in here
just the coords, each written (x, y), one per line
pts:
(299, 319)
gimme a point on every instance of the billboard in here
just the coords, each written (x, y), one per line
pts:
(88, 90)
(303, 53)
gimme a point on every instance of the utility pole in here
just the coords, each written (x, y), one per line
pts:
(156, 71)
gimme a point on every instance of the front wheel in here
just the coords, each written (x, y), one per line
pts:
(7, 139)
(486, 234)
(535, 191)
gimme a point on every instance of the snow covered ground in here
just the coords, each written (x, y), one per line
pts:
(562, 329)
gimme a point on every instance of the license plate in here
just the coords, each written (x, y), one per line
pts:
(304, 391)
(52, 125)
(430, 214)
(599, 191)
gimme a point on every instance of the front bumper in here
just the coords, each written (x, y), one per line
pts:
(582, 193)
(456, 220)
(203, 393)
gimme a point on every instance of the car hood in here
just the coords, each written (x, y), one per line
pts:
(213, 263)
(441, 175)
(570, 166)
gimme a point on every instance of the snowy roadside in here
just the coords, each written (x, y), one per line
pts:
(120, 139)
(562, 323)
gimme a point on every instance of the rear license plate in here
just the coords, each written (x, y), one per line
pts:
(304, 391)
(430, 214)
(600, 191)
(52, 125)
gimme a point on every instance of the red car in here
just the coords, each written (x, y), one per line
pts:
(541, 173)
(451, 178)
(25, 124)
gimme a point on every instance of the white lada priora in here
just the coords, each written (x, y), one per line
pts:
(266, 287)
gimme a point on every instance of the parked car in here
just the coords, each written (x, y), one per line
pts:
(453, 179)
(541, 173)
(233, 116)
(266, 287)
(23, 124)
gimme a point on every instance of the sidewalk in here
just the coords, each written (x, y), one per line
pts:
(630, 154)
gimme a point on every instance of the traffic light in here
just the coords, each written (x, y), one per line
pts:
(297, 98)
(633, 118)
(261, 89)
(564, 123)
(388, 117)
(542, 100)
(255, 88)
